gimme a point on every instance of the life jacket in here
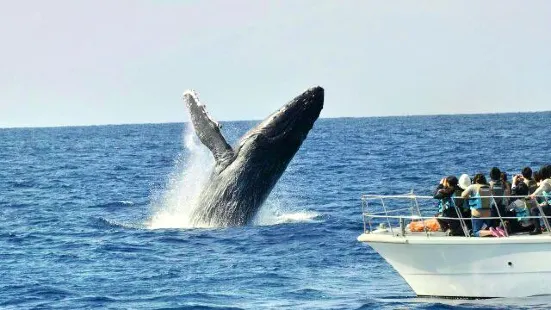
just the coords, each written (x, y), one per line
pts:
(476, 202)
(430, 225)
(522, 211)
(547, 197)
(444, 204)
(451, 202)
(497, 189)
(458, 201)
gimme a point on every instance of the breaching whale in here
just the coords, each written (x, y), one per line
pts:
(244, 176)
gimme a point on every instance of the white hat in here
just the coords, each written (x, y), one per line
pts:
(464, 181)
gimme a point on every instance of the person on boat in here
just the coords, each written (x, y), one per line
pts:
(544, 187)
(537, 177)
(497, 190)
(519, 187)
(528, 179)
(543, 191)
(443, 193)
(478, 195)
(496, 185)
(450, 205)
(464, 182)
(520, 208)
(506, 187)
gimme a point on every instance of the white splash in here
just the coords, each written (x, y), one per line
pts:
(174, 208)
(272, 213)
(175, 205)
(297, 217)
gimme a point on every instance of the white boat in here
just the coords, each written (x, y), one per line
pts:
(434, 264)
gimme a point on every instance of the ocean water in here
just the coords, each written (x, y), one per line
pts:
(95, 217)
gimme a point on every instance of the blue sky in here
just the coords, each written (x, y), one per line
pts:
(113, 62)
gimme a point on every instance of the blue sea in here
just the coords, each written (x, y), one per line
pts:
(96, 217)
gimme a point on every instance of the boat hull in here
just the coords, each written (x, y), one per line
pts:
(462, 267)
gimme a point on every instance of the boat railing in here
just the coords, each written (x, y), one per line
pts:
(394, 213)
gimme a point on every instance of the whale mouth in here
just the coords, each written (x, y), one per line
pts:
(297, 117)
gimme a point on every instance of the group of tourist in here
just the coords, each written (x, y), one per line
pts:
(480, 207)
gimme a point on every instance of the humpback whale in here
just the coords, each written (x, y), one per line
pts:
(244, 176)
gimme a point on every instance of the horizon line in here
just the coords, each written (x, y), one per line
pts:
(256, 120)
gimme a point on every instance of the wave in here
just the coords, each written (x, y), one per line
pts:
(276, 212)
(22, 184)
(272, 213)
(169, 220)
(17, 205)
(113, 204)
(105, 223)
(285, 218)
(120, 168)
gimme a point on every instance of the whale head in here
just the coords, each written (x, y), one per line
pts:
(285, 130)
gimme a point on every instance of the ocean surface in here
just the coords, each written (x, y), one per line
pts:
(96, 217)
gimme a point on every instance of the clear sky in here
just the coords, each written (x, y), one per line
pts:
(112, 62)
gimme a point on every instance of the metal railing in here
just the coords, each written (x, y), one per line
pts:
(375, 208)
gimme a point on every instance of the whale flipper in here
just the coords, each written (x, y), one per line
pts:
(208, 131)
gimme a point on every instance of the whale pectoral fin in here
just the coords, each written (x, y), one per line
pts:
(208, 130)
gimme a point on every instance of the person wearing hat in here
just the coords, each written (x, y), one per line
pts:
(464, 181)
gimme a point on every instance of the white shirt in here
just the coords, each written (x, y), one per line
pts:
(545, 186)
